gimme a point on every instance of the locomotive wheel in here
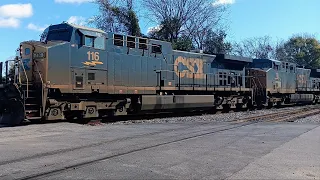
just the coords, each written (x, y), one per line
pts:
(250, 105)
(279, 104)
(259, 105)
(270, 105)
(77, 117)
(226, 108)
(69, 116)
(239, 107)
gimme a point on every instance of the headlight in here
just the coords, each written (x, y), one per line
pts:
(40, 55)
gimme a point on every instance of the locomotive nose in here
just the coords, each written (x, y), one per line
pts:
(26, 59)
(29, 52)
(25, 55)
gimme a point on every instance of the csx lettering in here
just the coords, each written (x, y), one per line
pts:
(190, 64)
(302, 79)
(93, 56)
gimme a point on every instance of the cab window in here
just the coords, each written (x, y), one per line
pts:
(88, 41)
(27, 51)
(275, 66)
(156, 48)
(99, 43)
(78, 38)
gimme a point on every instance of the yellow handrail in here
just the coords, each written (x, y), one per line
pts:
(25, 73)
(35, 62)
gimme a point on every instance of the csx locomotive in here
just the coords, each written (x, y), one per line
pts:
(77, 72)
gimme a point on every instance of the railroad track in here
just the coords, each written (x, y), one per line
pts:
(99, 121)
(190, 114)
(284, 116)
(233, 124)
(299, 115)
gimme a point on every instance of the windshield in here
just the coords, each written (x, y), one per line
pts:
(56, 35)
(60, 35)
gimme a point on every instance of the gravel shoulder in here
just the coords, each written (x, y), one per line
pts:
(310, 119)
(220, 117)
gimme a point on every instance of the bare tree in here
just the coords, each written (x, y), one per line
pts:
(190, 18)
(278, 51)
(257, 47)
(201, 26)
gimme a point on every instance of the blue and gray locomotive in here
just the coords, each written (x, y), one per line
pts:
(81, 72)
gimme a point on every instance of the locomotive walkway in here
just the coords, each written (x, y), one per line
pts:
(195, 150)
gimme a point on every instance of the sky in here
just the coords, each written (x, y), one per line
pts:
(22, 20)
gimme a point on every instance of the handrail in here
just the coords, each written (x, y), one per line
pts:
(15, 84)
(25, 73)
(260, 83)
(42, 84)
(215, 74)
(202, 81)
(35, 62)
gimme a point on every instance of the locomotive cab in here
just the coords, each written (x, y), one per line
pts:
(280, 76)
(315, 80)
(277, 81)
(35, 55)
(45, 66)
(75, 47)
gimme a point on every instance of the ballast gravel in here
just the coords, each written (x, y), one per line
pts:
(310, 119)
(219, 117)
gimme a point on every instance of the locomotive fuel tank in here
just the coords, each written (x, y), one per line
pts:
(315, 82)
(302, 98)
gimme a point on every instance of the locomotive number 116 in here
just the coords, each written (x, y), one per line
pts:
(93, 56)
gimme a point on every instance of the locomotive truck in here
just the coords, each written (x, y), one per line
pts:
(76, 72)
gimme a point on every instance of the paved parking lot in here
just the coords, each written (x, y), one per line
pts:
(197, 150)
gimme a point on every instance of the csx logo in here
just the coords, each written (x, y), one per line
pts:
(189, 67)
(93, 59)
(302, 79)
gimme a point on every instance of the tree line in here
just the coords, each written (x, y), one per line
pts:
(198, 24)
(187, 24)
(302, 49)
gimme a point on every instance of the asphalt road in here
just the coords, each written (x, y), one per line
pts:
(161, 151)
